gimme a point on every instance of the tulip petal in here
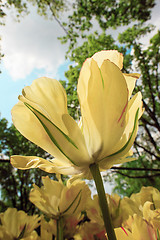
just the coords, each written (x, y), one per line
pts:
(45, 119)
(103, 98)
(50, 166)
(131, 81)
(124, 145)
(112, 55)
(123, 234)
(48, 96)
(74, 202)
(63, 140)
(127, 143)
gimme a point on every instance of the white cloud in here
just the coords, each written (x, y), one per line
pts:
(32, 44)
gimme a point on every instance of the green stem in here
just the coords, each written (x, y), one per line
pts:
(103, 201)
(60, 228)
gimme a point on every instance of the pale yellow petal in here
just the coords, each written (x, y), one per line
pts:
(103, 98)
(131, 81)
(49, 97)
(27, 162)
(123, 234)
(57, 133)
(142, 229)
(44, 201)
(134, 104)
(50, 166)
(52, 187)
(112, 55)
(93, 139)
(134, 112)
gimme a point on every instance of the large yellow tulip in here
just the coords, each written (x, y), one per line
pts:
(109, 118)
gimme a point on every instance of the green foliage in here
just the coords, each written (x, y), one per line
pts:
(108, 13)
(131, 181)
(16, 184)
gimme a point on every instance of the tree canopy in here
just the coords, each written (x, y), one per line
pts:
(16, 184)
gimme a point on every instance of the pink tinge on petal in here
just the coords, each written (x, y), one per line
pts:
(151, 233)
(124, 231)
(93, 211)
(72, 223)
(122, 112)
(21, 228)
(101, 235)
(69, 194)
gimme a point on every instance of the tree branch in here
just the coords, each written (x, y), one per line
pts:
(136, 169)
(146, 150)
(151, 114)
(144, 176)
(57, 20)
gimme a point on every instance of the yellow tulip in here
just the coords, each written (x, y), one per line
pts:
(151, 215)
(150, 194)
(136, 228)
(109, 118)
(55, 199)
(94, 212)
(90, 231)
(16, 223)
(48, 229)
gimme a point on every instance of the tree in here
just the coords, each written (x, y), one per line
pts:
(108, 14)
(16, 184)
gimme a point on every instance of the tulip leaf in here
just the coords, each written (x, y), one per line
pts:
(124, 147)
(35, 111)
(74, 202)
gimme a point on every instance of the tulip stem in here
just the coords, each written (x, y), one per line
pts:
(60, 229)
(94, 168)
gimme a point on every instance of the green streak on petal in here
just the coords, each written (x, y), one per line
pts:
(48, 132)
(124, 147)
(69, 139)
(102, 78)
(158, 237)
(77, 204)
(73, 202)
(21, 235)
